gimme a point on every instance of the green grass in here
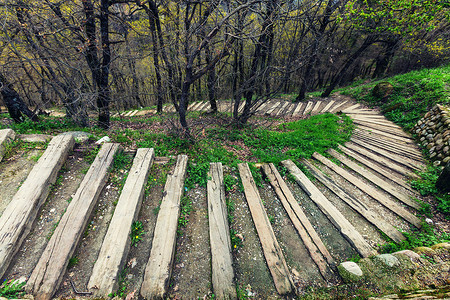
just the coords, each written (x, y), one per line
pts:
(414, 94)
(12, 290)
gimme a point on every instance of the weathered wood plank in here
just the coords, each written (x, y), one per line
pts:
(396, 148)
(270, 110)
(368, 163)
(337, 106)
(351, 108)
(316, 107)
(386, 129)
(309, 236)
(340, 222)
(50, 269)
(308, 108)
(297, 109)
(219, 234)
(281, 110)
(380, 182)
(19, 215)
(327, 107)
(115, 247)
(386, 134)
(413, 165)
(357, 205)
(6, 136)
(400, 169)
(371, 191)
(376, 122)
(272, 251)
(159, 266)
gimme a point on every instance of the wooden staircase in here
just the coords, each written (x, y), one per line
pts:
(358, 191)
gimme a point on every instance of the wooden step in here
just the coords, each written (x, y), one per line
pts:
(196, 106)
(219, 236)
(308, 107)
(281, 110)
(315, 109)
(337, 106)
(192, 104)
(262, 107)
(374, 167)
(365, 112)
(371, 191)
(48, 273)
(6, 136)
(297, 109)
(116, 244)
(351, 108)
(385, 129)
(309, 236)
(385, 162)
(327, 107)
(271, 109)
(380, 182)
(205, 106)
(159, 266)
(386, 134)
(18, 217)
(377, 122)
(396, 148)
(357, 205)
(272, 251)
(290, 109)
(413, 165)
(339, 221)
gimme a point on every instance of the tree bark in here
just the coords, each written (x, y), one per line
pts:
(14, 103)
(338, 77)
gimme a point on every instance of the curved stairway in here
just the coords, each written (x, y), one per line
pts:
(298, 234)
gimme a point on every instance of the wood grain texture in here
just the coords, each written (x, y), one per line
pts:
(116, 244)
(378, 181)
(309, 236)
(355, 204)
(340, 222)
(49, 271)
(19, 215)
(6, 136)
(272, 251)
(219, 235)
(371, 191)
(159, 266)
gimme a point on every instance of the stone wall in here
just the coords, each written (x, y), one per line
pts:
(434, 133)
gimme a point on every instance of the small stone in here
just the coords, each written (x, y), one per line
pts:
(430, 145)
(437, 163)
(411, 254)
(439, 141)
(350, 271)
(446, 149)
(388, 260)
(104, 139)
(429, 221)
(446, 160)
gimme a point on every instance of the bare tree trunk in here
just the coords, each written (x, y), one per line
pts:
(338, 77)
(14, 103)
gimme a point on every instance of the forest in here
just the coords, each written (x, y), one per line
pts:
(95, 57)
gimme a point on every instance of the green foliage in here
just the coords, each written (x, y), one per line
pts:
(122, 161)
(137, 231)
(426, 236)
(236, 241)
(415, 93)
(426, 185)
(186, 208)
(73, 261)
(47, 124)
(12, 290)
(123, 285)
(230, 182)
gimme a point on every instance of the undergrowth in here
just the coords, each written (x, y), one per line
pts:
(12, 289)
(414, 94)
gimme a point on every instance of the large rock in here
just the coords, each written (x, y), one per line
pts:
(383, 90)
(388, 260)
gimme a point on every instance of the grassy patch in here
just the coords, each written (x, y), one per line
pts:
(12, 289)
(414, 94)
